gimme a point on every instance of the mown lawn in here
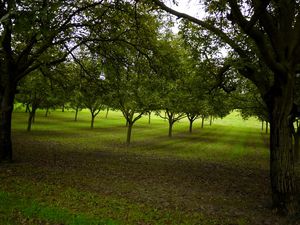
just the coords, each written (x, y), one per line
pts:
(66, 173)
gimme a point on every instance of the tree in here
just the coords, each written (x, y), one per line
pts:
(92, 90)
(195, 103)
(128, 62)
(33, 91)
(172, 116)
(264, 35)
(172, 101)
(249, 102)
(174, 68)
(132, 89)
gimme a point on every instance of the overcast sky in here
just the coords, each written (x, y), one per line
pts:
(190, 7)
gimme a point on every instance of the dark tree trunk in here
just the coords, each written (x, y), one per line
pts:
(92, 121)
(210, 121)
(129, 129)
(191, 125)
(281, 151)
(126, 124)
(297, 144)
(149, 117)
(6, 109)
(27, 108)
(31, 118)
(267, 127)
(202, 121)
(63, 108)
(76, 113)
(170, 128)
(47, 111)
(107, 110)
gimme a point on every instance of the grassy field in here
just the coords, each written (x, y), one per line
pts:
(66, 173)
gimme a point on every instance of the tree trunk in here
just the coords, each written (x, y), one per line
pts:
(281, 151)
(267, 127)
(210, 121)
(92, 121)
(202, 121)
(191, 125)
(170, 128)
(27, 108)
(47, 111)
(129, 129)
(297, 144)
(76, 113)
(33, 118)
(149, 118)
(262, 125)
(107, 110)
(30, 119)
(6, 109)
(63, 108)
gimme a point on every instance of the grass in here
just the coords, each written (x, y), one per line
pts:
(31, 212)
(66, 173)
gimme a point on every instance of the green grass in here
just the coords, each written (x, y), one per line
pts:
(67, 173)
(22, 210)
(230, 139)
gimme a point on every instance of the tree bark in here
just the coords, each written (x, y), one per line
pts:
(191, 125)
(267, 127)
(6, 109)
(282, 172)
(297, 144)
(202, 121)
(170, 128)
(92, 121)
(30, 118)
(76, 113)
(210, 121)
(149, 117)
(107, 110)
(33, 118)
(47, 111)
(26, 107)
(129, 129)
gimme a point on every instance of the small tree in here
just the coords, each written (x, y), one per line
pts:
(33, 92)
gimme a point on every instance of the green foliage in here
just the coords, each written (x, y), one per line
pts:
(34, 91)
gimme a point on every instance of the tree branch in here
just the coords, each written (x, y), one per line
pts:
(257, 36)
(205, 25)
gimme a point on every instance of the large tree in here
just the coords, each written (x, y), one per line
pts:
(264, 35)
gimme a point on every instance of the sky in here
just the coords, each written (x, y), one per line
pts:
(190, 7)
(193, 8)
